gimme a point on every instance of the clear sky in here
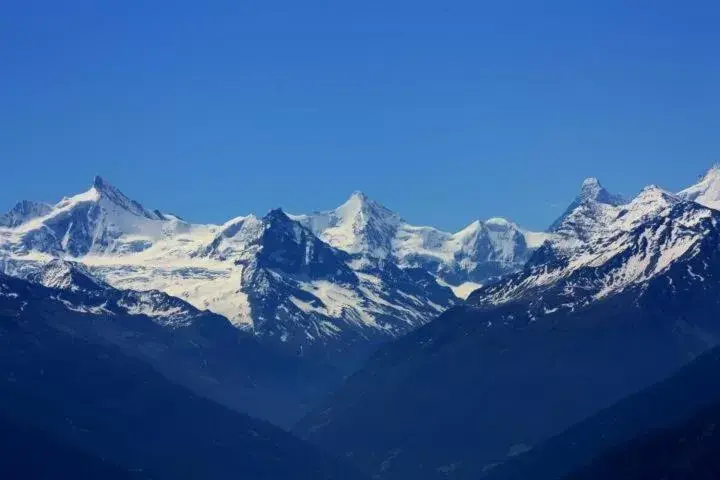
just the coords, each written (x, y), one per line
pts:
(443, 111)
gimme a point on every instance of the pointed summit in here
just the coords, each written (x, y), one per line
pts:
(288, 246)
(707, 191)
(360, 202)
(591, 183)
(591, 192)
(277, 223)
(277, 216)
(359, 195)
(105, 189)
(100, 183)
(363, 226)
(591, 189)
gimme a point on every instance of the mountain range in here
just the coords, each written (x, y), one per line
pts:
(332, 284)
(618, 297)
(294, 302)
(404, 350)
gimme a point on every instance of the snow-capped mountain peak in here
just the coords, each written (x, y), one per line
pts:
(108, 191)
(651, 202)
(654, 193)
(101, 219)
(588, 214)
(362, 211)
(591, 187)
(498, 222)
(107, 196)
(359, 226)
(359, 196)
(478, 252)
(592, 190)
(602, 249)
(707, 191)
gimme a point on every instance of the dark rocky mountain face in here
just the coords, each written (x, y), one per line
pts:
(289, 247)
(294, 319)
(312, 300)
(528, 358)
(690, 449)
(85, 391)
(690, 392)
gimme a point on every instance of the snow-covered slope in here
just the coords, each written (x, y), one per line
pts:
(707, 191)
(601, 249)
(482, 251)
(604, 244)
(588, 214)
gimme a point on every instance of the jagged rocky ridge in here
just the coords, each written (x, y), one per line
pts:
(619, 297)
(595, 255)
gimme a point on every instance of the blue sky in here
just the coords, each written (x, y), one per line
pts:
(443, 111)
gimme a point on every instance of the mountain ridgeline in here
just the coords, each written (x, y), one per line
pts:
(394, 351)
(331, 285)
